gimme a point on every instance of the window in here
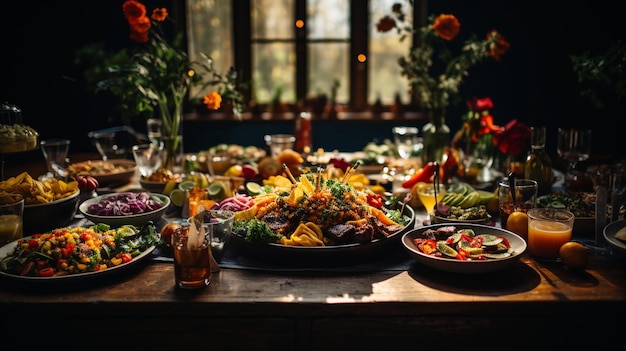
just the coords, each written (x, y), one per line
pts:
(295, 51)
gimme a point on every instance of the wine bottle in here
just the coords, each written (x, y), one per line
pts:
(538, 164)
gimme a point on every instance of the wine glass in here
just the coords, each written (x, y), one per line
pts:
(148, 158)
(574, 146)
(406, 141)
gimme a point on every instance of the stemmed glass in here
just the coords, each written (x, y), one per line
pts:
(574, 146)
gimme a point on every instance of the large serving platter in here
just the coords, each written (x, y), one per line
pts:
(458, 266)
(322, 256)
(116, 171)
(8, 248)
(609, 232)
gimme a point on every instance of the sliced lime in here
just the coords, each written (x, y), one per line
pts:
(445, 249)
(178, 197)
(217, 191)
(186, 185)
(254, 188)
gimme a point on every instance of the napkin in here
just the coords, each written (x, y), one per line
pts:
(196, 232)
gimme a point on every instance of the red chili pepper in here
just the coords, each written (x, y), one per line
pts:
(423, 175)
(33, 243)
(460, 256)
(46, 272)
(505, 241)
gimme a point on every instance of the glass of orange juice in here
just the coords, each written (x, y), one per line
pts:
(548, 230)
(426, 194)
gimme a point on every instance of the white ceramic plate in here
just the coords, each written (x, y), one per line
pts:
(457, 266)
(609, 232)
(137, 220)
(8, 248)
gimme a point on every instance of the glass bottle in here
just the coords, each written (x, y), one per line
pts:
(303, 133)
(538, 164)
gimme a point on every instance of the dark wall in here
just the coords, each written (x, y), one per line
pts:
(534, 81)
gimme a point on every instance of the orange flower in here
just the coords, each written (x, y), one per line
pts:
(499, 47)
(213, 100)
(447, 26)
(140, 25)
(159, 15)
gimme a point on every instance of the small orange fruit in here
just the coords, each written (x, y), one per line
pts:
(518, 224)
(574, 255)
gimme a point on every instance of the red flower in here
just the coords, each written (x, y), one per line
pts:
(479, 104)
(513, 139)
(447, 26)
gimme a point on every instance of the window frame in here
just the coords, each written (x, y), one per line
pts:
(357, 106)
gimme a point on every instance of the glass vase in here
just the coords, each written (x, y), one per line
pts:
(173, 156)
(436, 135)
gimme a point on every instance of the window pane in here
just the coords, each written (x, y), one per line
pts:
(328, 19)
(274, 72)
(385, 79)
(329, 62)
(272, 19)
(209, 31)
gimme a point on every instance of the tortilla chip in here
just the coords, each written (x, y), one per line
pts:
(621, 234)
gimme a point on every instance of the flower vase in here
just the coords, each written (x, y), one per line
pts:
(173, 155)
(479, 158)
(436, 135)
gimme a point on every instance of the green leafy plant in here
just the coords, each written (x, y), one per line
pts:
(433, 71)
(154, 76)
(602, 76)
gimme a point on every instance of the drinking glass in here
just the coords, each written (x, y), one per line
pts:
(105, 144)
(148, 158)
(192, 257)
(525, 198)
(279, 142)
(426, 194)
(406, 140)
(548, 230)
(11, 218)
(219, 223)
(55, 152)
(574, 146)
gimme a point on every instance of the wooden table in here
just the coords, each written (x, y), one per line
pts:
(530, 305)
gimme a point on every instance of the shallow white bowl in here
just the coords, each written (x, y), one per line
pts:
(457, 266)
(137, 220)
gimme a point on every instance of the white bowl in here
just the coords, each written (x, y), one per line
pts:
(120, 220)
(458, 266)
